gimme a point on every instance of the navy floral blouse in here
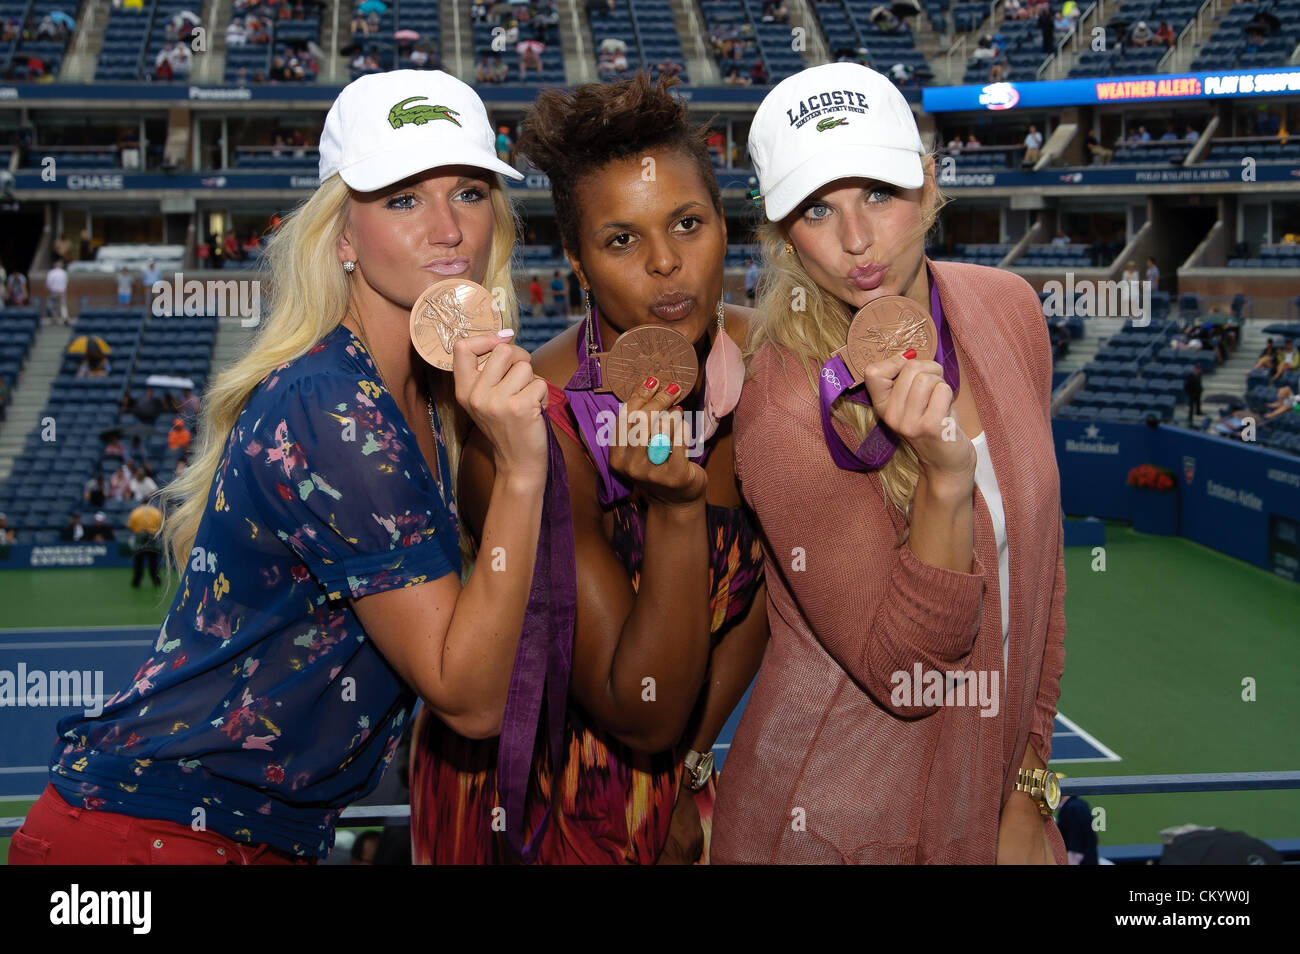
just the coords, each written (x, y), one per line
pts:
(263, 709)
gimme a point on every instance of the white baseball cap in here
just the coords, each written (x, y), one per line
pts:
(832, 122)
(385, 127)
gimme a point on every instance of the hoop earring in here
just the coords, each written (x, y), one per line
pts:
(349, 267)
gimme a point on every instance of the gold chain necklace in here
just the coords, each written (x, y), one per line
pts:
(433, 425)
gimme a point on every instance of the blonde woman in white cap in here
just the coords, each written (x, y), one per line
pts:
(316, 525)
(912, 533)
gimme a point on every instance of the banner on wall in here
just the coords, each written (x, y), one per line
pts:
(1236, 498)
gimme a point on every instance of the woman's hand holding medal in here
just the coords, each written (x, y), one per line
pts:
(505, 400)
(650, 410)
(912, 399)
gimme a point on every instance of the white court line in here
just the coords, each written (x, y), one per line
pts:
(78, 645)
(1076, 729)
(22, 770)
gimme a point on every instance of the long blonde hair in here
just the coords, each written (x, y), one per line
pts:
(302, 260)
(821, 326)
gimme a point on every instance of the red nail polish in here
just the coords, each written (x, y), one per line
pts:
(651, 383)
(909, 354)
(673, 389)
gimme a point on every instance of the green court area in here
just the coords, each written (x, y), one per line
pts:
(1159, 645)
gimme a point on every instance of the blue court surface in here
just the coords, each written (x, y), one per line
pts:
(28, 734)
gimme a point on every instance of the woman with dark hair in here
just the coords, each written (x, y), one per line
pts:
(670, 611)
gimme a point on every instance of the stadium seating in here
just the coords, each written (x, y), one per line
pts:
(1120, 56)
(1230, 46)
(552, 72)
(48, 479)
(125, 35)
(975, 254)
(1056, 256)
(766, 42)
(16, 334)
(647, 27)
(848, 29)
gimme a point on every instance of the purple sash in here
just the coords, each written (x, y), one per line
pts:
(836, 379)
(542, 662)
(587, 403)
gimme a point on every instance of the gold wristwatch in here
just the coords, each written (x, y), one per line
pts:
(699, 768)
(1042, 786)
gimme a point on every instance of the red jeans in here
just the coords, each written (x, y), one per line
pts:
(56, 833)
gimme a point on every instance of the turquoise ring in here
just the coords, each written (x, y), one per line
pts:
(659, 449)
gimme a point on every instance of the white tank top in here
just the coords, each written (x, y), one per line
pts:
(987, 481)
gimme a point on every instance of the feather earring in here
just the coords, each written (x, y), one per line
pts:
(724, 372)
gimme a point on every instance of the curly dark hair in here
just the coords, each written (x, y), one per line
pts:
(573, 134)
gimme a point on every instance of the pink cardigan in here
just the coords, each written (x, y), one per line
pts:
(823, 767)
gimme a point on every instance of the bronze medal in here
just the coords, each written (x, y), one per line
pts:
(650, 350)
(884, 328)
(446, 311)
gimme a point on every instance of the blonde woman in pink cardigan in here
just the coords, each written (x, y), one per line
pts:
(903, 712)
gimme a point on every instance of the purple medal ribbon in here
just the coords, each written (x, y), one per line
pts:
(587, 403)
(542, 662)
(836, 379)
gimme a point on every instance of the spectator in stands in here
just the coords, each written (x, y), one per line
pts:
(557, 292)
(1130, 273)
(1153, 274)
(972, 142)
(94, 365)
(1141, 36)
(1060, 25)
(1169, 135)
(1286, 400)
(56, 292)
(1014, 10)
(142, 486)
(148, 408)
(668, 68)
(7, 533)
(252, 246)
(734, 78)
(95, 493)
(16, 289)
(535, 297)
(1070, 11)
(505, 145)
(1189, 133)
(63, 248)
(751, 282)
(189, 404)
(359, 25)
(954, 145)
(162, 69)
(1046, 26)
(984, 47)
(1165, 34)
(716, 143)
(114, 447)
(236, 34)
(478, 11)
(86, 251)
(144, 523)
(884, 19)
(1268, 358)
(178, 438)
(125, 287)
(150, 275)
(758, 74)
(530, 58)
(99, 531)
(1060, 238)
(1033, 145)
(1193, 386)
(73, 532)
(1287, 360)
(231, 247)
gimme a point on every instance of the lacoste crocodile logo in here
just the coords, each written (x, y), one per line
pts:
(831, 122)
(400, 115)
